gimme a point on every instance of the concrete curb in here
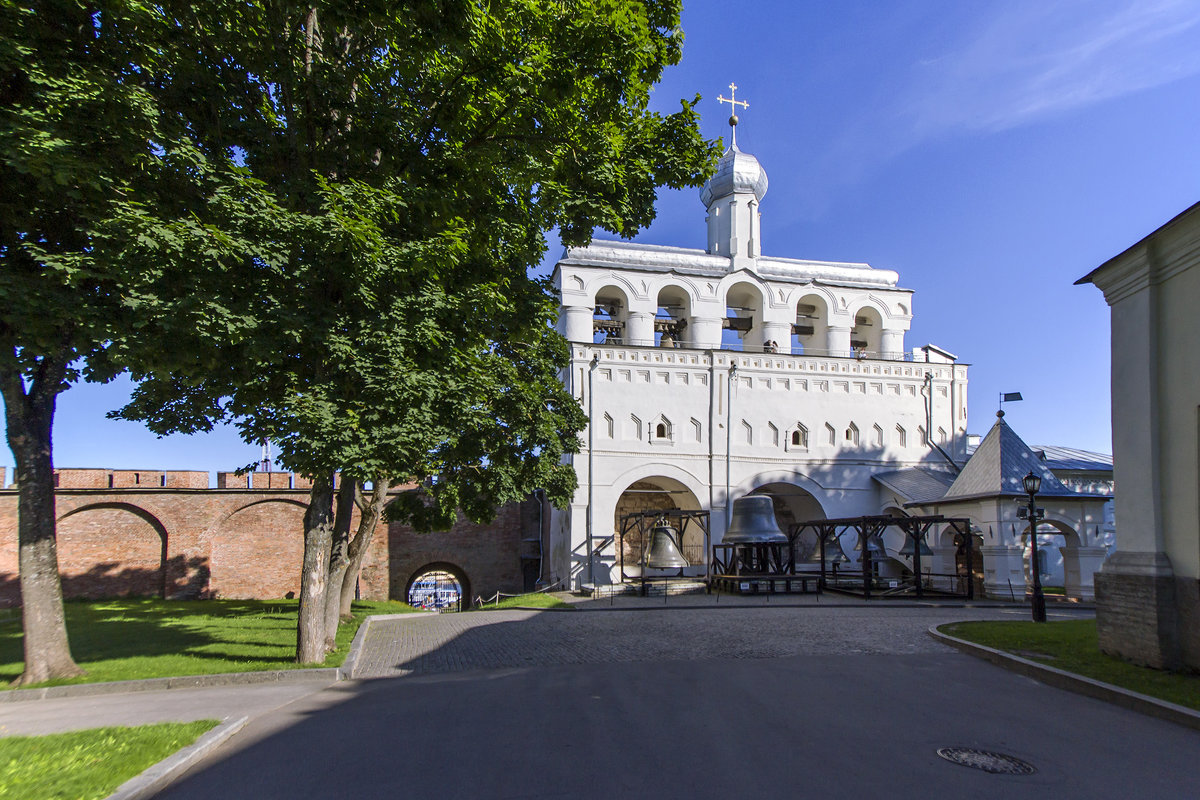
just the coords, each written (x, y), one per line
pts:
(157, 777)
(325, 674)
(1061, 679)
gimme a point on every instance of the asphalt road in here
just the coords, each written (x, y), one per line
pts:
(836, 720)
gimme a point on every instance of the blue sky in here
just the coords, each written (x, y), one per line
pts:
(990, 152)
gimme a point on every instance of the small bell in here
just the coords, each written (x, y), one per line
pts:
(875, 548)
(907, 549)
(834, 554)
(662, 551)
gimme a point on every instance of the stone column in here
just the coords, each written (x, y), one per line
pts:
(891, 344)
(780, 333)
(575, 324)
(703, 332)
(837, 342)
(1080, 565)
(1137, 615)
(639, 328)
(1003, 566)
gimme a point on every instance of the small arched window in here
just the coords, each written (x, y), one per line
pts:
(660, 431)
(796, 438)
(852, 434)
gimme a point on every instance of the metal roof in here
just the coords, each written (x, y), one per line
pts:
(1068, 458)
(998, 465)
(917, 484)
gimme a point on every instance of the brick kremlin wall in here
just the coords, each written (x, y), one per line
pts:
(167, 534)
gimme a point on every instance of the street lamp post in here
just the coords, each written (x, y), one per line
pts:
(1032, 482)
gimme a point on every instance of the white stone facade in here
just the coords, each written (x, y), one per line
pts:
(708, 375)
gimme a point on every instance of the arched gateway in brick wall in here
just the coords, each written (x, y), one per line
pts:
(169, 534)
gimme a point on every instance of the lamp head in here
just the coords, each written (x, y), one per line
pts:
(1032, 482)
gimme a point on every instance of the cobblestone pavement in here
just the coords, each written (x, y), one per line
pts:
(426, 644)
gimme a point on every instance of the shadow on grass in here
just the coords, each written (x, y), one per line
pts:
(145, 638)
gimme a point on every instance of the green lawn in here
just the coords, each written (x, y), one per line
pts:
(87, 765)
(531, 600)
(117, 640)
(1072, 646)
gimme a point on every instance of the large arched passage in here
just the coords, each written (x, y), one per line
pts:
(111, 550)
(660, 493)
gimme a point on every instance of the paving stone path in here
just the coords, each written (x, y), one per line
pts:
(426, 644)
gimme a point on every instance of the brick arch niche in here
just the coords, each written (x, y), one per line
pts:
(111, 550)
(258, 551)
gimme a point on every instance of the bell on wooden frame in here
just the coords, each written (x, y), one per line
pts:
(662, 550)
(834, 554)
(907, 549)
(875, 548)
(753, 522)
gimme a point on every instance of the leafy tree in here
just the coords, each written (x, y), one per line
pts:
(79, 136)
(356, 288)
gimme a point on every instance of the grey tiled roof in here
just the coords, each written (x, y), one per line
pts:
(1068, 458)
(998, 465)
(917, 484)
(1075, 459)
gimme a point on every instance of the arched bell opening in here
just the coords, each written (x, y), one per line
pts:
(610, 316)
(867, 334)
(810, 329)
(743, 318)
(671, 318)
(639, 511)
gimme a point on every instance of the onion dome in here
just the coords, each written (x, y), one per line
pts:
(737, 173)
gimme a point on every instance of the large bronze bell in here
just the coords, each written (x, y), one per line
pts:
(662, 551)
(834, 554)
(753, 522)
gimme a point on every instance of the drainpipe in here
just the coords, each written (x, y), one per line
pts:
(591, 462)
(729, 380)
(928, 392)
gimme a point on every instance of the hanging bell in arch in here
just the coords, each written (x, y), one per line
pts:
(662, 550)
(907, 550)
(753, 522)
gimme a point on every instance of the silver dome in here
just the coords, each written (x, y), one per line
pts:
(737, 173)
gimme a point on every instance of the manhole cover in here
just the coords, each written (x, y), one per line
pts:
(995, 763)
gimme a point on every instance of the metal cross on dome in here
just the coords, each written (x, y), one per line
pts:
(733, 104)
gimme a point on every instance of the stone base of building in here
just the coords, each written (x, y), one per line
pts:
(1146, 614)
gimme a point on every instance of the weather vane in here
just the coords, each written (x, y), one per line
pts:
(733, 104)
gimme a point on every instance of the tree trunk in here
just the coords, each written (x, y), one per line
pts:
(314, 581)
(339, 557)
(367, 522)
(30, 419)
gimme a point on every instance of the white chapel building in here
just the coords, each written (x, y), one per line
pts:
(712, 374)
